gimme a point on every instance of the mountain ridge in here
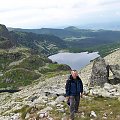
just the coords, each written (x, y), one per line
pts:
(43, 43)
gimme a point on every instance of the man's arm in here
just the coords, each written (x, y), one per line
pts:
(81, 87)
(67, 87)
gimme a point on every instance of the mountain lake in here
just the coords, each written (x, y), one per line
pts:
(74, 60)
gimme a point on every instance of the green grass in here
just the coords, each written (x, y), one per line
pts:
(103, 50)
(31, 63)
(23, 73)
(6, 58)
(54, 68)
(20, 77)
(100, 105)
(27, 109)
(24, 110)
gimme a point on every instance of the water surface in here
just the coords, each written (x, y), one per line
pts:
(74, 60)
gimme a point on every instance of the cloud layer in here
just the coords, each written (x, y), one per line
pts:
(57, 13)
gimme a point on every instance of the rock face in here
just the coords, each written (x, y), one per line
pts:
(4, 31)
(5, 38)
(115, 69)
(111, 59)
(99, 74)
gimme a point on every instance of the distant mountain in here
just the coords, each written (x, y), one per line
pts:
(46, 44)
(43, 43)
(77, 40)
(71, 28)
(105, 26)
(62, 33)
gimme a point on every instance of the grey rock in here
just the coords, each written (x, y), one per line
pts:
(53, 103)
(59, 105)
(46, 114)
(115, 69)
(99, 74)
(108, 86)
(41, 115)
(105, 118)
(82, 115)
(86, 89)
(107, 91)
(15, 117)
(45, 110)
(60, 99)
(48, 94)
(61, 110)
(93, 114)
(32, 98)
(27, 116)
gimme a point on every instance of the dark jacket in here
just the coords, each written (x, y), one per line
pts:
(73, 87)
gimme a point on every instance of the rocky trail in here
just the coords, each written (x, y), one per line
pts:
(37, 101)
(33, 95)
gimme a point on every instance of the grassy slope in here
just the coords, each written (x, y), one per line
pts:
(101, 106)
(103, 50)
(25, 67)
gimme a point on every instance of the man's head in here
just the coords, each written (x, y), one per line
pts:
(74, 74)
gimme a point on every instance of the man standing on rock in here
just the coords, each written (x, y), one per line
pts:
(74, 90)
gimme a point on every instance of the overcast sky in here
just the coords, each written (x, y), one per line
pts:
(57, 13)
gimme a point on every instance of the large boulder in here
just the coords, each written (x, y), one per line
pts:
(99, 74)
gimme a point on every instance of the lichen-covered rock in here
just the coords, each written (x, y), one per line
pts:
(60, 99)
(99, 74)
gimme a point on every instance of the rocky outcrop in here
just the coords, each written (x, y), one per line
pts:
(99, 72)
(115, 69)
(4, 31)
(111, 59)
(5, 38)
(107, 90)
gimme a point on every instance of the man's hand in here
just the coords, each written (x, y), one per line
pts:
(67, 98)
(81, 95)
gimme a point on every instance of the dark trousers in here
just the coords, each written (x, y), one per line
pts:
(74, 104)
